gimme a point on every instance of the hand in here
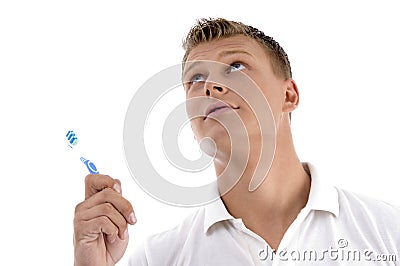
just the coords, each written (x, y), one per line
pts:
(101, 222)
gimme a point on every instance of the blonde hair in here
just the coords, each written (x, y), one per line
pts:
(206, 30)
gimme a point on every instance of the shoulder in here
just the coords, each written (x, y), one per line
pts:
(368, 212)
(368, 205)
(166, 246)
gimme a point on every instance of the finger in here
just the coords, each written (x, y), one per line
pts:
(118, 186)
(96, 183)
(108, 210)
(88, 231)
(108, 195)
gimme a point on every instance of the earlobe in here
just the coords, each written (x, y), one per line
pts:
(291, 96)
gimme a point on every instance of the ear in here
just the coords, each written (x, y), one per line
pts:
(291, 100)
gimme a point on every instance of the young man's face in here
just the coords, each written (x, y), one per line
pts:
(238, 55)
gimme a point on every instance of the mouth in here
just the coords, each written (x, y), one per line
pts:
(216, 108)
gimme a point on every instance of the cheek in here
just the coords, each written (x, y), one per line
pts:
(251, 118)
(275, 103)
(274, 97)
(195, 91)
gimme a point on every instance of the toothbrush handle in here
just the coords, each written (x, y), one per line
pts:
(90, 166)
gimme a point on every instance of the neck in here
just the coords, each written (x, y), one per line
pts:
(273, 206)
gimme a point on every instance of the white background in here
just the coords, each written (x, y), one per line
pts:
(76, 65)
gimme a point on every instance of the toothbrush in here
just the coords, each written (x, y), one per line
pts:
(72, 140)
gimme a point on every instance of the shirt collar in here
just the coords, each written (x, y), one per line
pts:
(215, 212)
(322, 197)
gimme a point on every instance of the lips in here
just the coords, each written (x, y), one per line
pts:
(216, 107)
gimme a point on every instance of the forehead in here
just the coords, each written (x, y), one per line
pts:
(216, 49)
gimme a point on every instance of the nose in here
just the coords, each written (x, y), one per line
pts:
(212, 89)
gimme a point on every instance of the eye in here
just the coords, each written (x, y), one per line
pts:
(237, 66)
(197, 78)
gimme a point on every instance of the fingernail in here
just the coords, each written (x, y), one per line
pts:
(126, 233)
(117, 187)
(132, 217)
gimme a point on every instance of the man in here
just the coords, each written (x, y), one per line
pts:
(291, 218)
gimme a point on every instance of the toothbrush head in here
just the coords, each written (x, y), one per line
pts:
(72, 138)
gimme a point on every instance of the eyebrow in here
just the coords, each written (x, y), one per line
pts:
(222, 54)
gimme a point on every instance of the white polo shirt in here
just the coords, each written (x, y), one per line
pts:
(335, 227)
